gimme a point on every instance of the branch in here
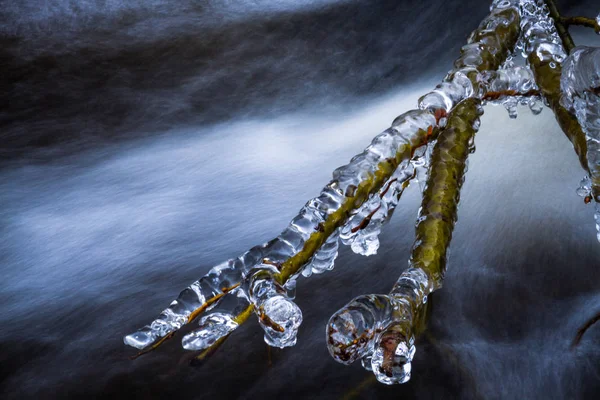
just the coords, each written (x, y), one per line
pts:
(583, 329)
(581, 21)
(491, 96)
(316, 224)
(562, 30)
(381, 329)
(547, 70)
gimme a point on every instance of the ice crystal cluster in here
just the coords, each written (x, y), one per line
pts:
(429, 144)
(518, 83)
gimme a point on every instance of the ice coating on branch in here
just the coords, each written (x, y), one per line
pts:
(362, 230)
(580, 84)
(378, 328)
(483, 47)
(324, 258)
(408, 132)
(447, 94)
(316, 225)
(580, 74)
(277, 314)
(538, 33)
(350, 331)
(511, 86)
(212, 328)
(219, 323)
(462, 82)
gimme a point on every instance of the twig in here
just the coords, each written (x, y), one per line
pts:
(580, 21)
(583, 329)
(509, 93)
(547, 75)
(562, 30)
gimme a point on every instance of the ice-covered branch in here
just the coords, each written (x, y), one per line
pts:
(311, 234)
(573, 98)
(356, 202)
(543, 48)
(264, 285)
(380, 329)
(581, 87)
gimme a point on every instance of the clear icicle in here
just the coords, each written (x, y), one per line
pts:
(362, 230)
(212, 328)
(585, 188)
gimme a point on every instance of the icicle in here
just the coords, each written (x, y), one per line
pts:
(362, 230)
(585, 188)
(277, 314)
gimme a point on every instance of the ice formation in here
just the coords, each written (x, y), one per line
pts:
(362, 230)
(278, 315)
(380, 329)
(580, 84)
(511, 86)
(377, 329)
(309, 243)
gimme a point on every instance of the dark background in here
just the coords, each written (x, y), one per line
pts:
(143, 142)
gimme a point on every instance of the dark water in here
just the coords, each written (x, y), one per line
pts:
(144, 142)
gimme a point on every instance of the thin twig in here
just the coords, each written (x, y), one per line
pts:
(581, 21)
(583, 329)
(509, 93)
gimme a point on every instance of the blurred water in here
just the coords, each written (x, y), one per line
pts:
(128, 173)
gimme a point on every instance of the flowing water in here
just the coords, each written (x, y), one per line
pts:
(141, 143)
